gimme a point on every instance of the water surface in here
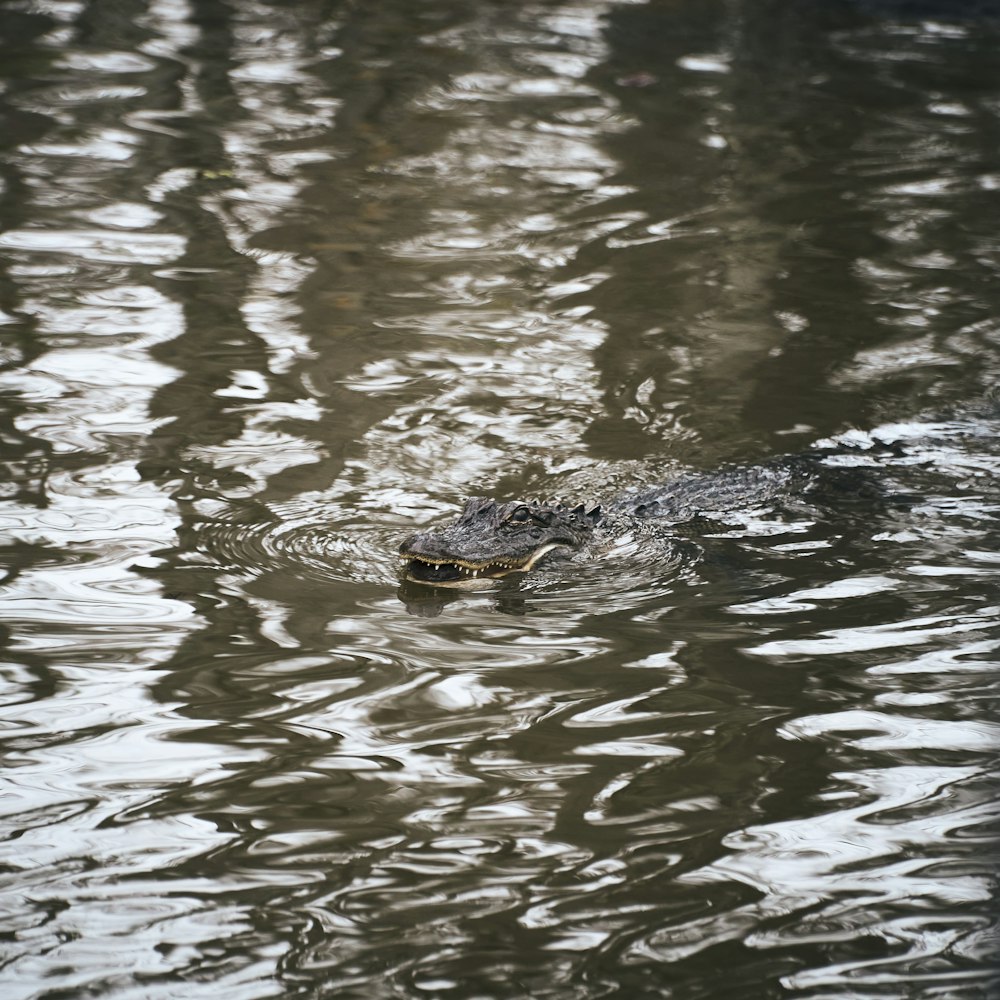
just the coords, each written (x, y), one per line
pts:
(280, 283)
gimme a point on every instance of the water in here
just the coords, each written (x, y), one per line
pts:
(283, 282)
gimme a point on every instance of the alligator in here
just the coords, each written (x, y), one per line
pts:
(492, 539)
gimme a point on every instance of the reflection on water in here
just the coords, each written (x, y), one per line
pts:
(281, 282)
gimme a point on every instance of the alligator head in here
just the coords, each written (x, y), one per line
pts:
(492, 539)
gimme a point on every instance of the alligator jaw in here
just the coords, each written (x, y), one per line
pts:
(459, 573)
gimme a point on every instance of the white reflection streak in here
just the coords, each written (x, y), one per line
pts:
(512, 149)
(890, 635)
(92, 626)
(272, 83)
(898, 732)
(92, 398)
(848, 868)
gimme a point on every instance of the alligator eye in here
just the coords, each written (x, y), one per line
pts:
(521, 514)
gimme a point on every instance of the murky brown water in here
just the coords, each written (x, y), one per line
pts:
(281, 282)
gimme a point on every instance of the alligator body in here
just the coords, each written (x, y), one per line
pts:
(493, 539)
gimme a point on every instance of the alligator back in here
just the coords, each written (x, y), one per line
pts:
(726, 491)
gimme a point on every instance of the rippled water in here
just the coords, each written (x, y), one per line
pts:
(281, 282)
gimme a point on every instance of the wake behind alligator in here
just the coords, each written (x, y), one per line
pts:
(493, 539)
